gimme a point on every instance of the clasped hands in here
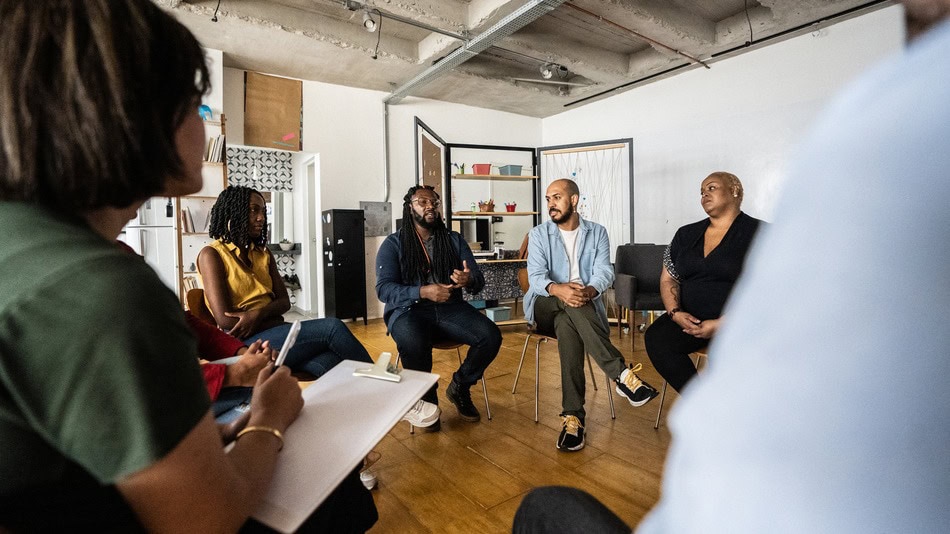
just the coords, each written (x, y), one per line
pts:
(696, 327)
(442, 292)
(573, 294)
(246, 324)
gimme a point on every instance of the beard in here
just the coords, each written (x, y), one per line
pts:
(434, 225)
(564, 215)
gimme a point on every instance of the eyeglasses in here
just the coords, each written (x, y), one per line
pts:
(424, 202)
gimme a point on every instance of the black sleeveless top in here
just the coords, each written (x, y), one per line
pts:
(705, 283)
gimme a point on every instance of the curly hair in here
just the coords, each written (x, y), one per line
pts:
(231, 214)
(92, 94)
(415, 264)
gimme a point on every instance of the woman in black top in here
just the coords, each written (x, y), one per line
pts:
(700, 266)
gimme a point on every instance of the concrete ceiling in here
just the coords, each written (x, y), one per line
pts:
(603, 46)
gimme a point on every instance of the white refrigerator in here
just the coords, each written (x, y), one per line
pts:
(152, 234)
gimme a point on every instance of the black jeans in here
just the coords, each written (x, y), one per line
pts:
(427, 322)
(669, 348)
(565, 511)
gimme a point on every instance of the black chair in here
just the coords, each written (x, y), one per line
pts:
(637, 280)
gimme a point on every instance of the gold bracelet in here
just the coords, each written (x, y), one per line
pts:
(270, 430)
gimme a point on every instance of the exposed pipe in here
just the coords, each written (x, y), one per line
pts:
(385, 151)
(638, 34)
(353, 5)
(516, 20)
(719, 55)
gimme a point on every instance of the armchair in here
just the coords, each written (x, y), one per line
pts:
(637, 280)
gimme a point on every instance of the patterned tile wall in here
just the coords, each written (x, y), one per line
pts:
(287, 266)
(264, 170)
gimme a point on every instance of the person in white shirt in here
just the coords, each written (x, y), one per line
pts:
(826, 406)
(568, 270)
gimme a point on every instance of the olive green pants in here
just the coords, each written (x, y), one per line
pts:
(579, 331)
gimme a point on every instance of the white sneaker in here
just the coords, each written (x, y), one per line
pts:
(423, 414)
(368, 478)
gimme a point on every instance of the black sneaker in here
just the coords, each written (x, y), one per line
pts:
(632, 388)
(462, 399)
(572, 434)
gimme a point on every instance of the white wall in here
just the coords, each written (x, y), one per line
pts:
(345, 126)
(745, 115)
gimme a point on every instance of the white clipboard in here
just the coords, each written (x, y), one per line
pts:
(343, 418)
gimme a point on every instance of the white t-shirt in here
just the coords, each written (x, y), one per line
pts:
(570, 242)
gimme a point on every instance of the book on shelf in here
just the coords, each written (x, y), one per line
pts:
(215, 149)
(187, 222)
(189, 282)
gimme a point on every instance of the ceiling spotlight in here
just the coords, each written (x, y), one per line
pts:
(550, 70)
(369, 24)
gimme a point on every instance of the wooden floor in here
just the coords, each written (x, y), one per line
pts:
(470, 477)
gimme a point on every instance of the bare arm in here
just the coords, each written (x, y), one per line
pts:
(198, 488)
(214, 280)
(670, 293)
(241, 324)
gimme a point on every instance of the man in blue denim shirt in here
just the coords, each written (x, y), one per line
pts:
(420, 272)
(569, 270)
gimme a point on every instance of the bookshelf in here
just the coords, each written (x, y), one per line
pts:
(194, 211)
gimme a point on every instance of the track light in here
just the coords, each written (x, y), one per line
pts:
(369, 24)
(550, 70)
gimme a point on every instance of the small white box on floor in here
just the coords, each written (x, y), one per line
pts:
(500, 313)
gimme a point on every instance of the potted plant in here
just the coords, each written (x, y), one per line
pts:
(285, 244)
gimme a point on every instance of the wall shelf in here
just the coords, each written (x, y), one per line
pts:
(493, 177)
(492, 213)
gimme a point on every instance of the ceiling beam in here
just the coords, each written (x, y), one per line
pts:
(511, 23)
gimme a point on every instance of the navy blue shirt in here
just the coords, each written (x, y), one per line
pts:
(400, 295)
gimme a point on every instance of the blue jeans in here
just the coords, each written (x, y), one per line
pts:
(321, 344)
(426, 323)
(231, 403)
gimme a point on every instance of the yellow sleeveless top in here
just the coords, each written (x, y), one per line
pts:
(249, 288)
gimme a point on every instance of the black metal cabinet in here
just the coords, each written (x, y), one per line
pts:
(344, 264)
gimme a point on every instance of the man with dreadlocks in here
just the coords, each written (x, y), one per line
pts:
(247, 296)
(420, 272)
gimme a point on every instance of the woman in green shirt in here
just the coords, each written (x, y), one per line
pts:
(104, 416)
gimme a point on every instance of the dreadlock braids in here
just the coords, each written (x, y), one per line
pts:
(230, 217)
(415, 264)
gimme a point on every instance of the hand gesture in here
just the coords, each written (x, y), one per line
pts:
(436, 292)
(247, 323)
(461, 278)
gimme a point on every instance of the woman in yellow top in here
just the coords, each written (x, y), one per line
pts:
(247, 296)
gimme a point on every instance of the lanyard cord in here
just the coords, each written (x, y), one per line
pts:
(424, 251)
